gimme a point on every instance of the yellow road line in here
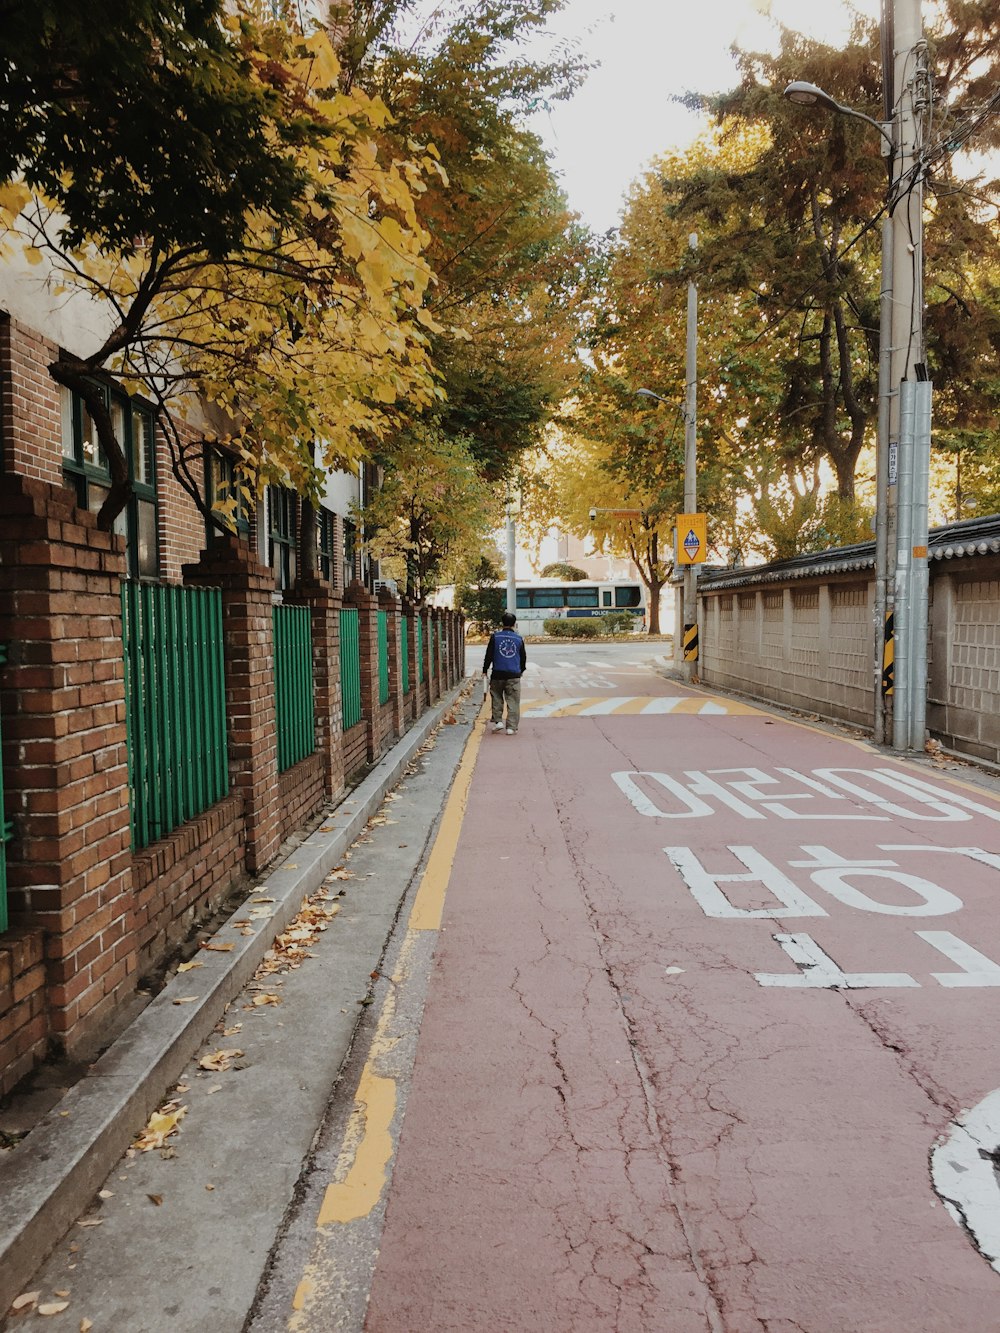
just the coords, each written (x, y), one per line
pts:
(363, 1163)
(429, 902)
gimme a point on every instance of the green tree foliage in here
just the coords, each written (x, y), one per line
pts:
(794, 230)
(512, 268)
(141, 118)
(561, 570)
(431, 509)
(480, 594)
(307, 334)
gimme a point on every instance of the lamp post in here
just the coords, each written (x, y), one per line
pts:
(903, 440)
(690, 464)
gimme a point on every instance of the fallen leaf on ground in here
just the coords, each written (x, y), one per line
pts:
(218, 948)
(187, 967)
(231, 1032)
(187, 999)
(53, 1307)
(260, 913)
(210, 1187)
(155, 1198)
(161, 1124)
(216, 1087)
(62, 1294)
(262, 900)
(105, 1194)
(29, 1298)
(90, 1222)
(259, 1000)
(219, 1061)
(86, 1325)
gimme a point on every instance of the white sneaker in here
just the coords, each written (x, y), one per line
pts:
(497, 726)
(511, 731)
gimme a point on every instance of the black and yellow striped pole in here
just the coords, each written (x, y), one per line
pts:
(888, 656)
(690, 643)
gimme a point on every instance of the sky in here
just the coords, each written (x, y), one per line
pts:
(649, 50)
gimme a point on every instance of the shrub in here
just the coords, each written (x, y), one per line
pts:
(581, 627)
(618, 622)
(562, 570)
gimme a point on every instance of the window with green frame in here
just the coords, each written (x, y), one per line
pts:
(325, 534)
(85, 468)
(282, 515)
(350, 548)
(221, 490)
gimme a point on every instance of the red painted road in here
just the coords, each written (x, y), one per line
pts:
(651, 1097)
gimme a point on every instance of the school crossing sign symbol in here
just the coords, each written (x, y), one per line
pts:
(692, 533)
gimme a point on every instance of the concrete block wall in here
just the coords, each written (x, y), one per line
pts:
(808, 644)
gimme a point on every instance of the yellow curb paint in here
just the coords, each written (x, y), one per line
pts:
(428, 905)
(358, 1193)
(302, 1293)
(631, 706)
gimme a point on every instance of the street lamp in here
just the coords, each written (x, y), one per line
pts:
(904, 416)
(808, 94)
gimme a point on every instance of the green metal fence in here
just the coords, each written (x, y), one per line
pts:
(293, 684)
(404, 638)
(383, 657)
(420, 648)
(175, 705)
(6, 830)
(350, 669)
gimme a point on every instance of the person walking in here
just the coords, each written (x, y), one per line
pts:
(505, 654)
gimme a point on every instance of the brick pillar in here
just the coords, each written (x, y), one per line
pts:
(64, 755)
(358, 596)
(391, 605)
(325, 605)
(251, 711)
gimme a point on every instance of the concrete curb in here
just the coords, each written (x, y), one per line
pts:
(52, 1177)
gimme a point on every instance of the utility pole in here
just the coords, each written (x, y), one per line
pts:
(690, 635)
(511, 558)
(909, 405)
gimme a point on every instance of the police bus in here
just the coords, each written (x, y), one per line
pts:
(539, 600)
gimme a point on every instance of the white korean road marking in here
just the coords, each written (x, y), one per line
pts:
(964, 1174)
(820, 971)
(977, 969)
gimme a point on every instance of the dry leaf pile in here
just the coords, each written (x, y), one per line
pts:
(162, 1124)
(291, 947)
(219, 1061)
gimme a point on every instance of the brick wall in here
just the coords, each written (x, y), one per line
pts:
(65, 774)
(181, 531)
(24, 1031)
(30, 406)
(182, 877)
(300, 793)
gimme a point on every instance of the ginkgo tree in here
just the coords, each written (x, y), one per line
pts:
(306, 333)
(432, 509)
(578, 476)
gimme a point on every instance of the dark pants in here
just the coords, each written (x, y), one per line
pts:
(506, 689)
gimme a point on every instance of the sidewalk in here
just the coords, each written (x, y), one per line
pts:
(274, 1096)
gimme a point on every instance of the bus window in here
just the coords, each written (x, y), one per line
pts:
(606, 597)
(627, 595)
(580, 596)
(547, 597)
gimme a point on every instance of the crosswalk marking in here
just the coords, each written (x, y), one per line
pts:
(624, 705)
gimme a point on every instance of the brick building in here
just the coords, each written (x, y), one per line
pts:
(174, 702)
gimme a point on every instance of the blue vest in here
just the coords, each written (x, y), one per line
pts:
(507, 652)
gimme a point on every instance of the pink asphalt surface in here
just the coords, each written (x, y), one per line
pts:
(595, 1142)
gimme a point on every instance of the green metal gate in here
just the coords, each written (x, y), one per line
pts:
(383, 657)
(350, 669)
(175, 705)
(293, 684)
